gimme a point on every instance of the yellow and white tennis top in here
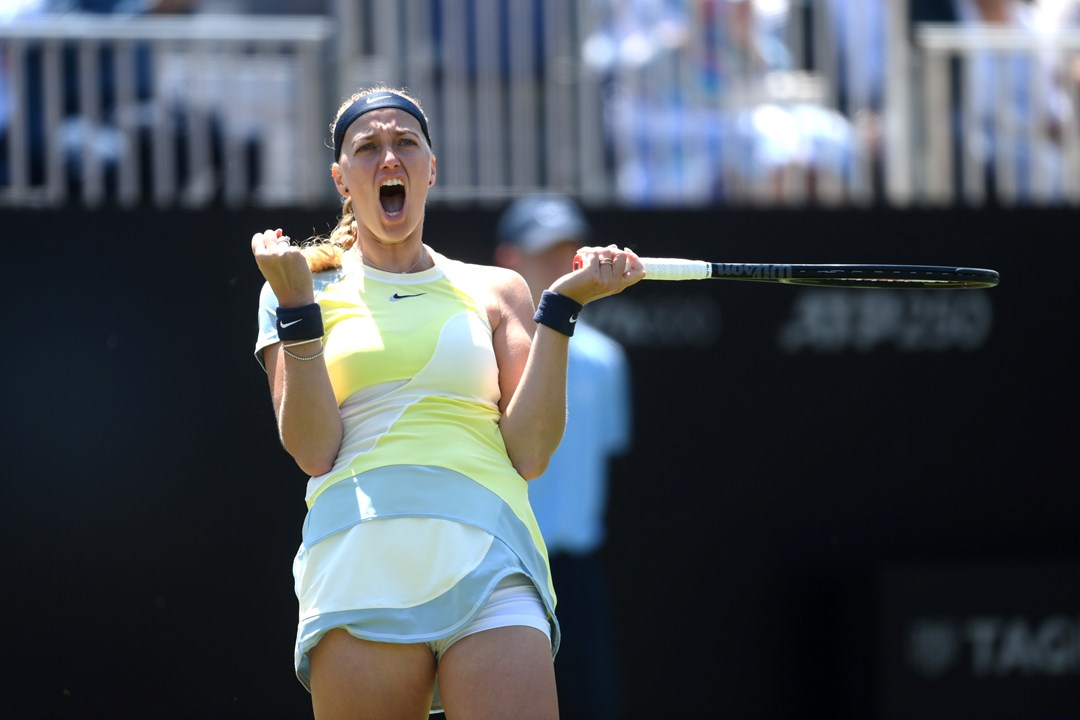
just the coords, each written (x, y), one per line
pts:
(422, 513)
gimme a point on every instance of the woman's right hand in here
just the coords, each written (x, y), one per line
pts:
(284, 267)
(599, 272)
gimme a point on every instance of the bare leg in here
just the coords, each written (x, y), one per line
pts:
(505, 672)
(361, 680)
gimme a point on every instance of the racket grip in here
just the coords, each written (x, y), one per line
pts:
(676, 269)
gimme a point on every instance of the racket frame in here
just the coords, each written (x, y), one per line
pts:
(848, 275)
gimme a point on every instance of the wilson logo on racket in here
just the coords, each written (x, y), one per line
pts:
(757, 271)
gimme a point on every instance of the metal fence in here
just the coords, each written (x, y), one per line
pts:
(998, 116)
(164, 110)
(646, 103)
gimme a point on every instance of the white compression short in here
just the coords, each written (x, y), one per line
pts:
(514, 601)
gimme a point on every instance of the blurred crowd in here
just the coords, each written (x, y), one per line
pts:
(705, 101)
(709, 102)
(87, 150)
(712, 101)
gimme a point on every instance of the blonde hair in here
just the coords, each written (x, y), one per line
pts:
(325, 252)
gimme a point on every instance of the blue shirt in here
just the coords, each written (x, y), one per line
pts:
(570, 498)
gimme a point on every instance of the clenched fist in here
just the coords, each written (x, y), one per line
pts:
(284, 267)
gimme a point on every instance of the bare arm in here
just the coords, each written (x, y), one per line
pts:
(532, 370)
(533, 358)
(309, 422)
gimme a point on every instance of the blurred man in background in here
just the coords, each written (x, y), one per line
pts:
(537, 236)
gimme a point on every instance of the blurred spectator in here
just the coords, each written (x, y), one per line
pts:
(1055, 16)
(104, 139)
(707, 107)
(1007, 107)
(268, 7)
(792, 145)
(633, 48)
(860, 40)
(858, 30)
(538, 236)
(10, 11)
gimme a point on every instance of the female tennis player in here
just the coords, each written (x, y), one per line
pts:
(419, 393)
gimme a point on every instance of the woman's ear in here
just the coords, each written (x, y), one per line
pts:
(339, 181)
(431, 177)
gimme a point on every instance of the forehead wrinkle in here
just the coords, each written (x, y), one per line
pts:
(365, 135)
(372, 126)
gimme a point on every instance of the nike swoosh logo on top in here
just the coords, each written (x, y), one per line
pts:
(292, 322)
(375, 98)
(395, 297)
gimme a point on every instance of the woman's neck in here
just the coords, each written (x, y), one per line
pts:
(399, 261)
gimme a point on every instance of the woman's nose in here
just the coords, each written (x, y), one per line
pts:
(390, 158)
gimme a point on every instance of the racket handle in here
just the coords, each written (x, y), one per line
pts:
(670, 268)
(676, 269)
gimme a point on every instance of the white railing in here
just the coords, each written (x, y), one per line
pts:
(194, 110)
(597, 98)
(556, 95)
(998, 110)
(512, 109)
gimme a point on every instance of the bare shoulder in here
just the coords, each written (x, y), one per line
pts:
(505, 291)
(503, 282)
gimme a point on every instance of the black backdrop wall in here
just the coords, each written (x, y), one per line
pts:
(840, 503)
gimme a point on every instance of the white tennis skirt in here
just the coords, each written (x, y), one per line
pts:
(410, 555)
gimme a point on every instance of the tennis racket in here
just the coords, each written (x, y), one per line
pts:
(824, 275)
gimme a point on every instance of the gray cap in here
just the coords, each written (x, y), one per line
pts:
(537, 222)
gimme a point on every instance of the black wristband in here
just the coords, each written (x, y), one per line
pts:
(299, 323)
(558, 312)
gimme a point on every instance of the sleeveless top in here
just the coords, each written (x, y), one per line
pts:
(422, 513)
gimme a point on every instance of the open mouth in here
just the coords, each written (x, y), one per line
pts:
(392, 196)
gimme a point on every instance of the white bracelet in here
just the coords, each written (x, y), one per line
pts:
(300, 342)
(294, 356)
